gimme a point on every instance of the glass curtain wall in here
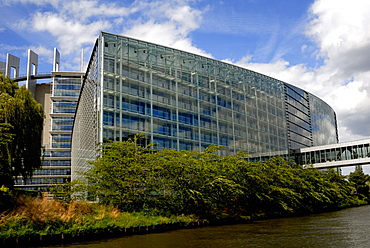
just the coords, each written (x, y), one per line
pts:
(298, 117)
(186, 102)
(180, 100)
(324, 122)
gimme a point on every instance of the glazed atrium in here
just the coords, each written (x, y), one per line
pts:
(184, 101)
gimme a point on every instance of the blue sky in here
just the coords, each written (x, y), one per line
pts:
(321, 46)
(268, 30)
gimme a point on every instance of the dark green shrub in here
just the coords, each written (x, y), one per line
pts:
(6, 199)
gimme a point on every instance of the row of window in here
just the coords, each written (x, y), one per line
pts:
(56, 163)
(143, 91)
(61, 145)
(187, 88)
(240, 143)
(162, 67)
(168, 114)
(60, 138)
(52, 172)
(143, 123)
(69, 87)
(64, 107)
(301, 97)
(62, 123)
(57, 154)
(41, 181)
(298, 105)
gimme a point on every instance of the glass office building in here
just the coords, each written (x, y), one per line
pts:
(184, 101)
(58, 93)
(59, 100)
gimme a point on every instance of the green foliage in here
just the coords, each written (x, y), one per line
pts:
(37, 216)
(171, 182)
(361, 183)
(21, 122)
(67, 192)
(119, 176)
(6, 199)
(179, 185)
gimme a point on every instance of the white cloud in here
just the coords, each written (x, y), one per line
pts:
(41, 50)
(341, 32)
(67, 22)
(298, 75)
(14, 50)
(75, 24)
(53, 3)
(85, 9)
(339, 24)
(71, 35)
(171, 28)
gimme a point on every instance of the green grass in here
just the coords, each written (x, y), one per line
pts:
(36, 216)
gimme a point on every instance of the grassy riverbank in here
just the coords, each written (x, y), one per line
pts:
(135, 187)
(36, 221)
(37, 216)
(40, 216)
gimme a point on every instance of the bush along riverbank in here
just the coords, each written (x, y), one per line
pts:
(137, 187)
(35, 221)
(41, 221)
(210, 186)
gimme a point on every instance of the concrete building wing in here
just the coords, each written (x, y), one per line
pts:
(12, 66)
(32, 67)
(2, 67)
(59, 99)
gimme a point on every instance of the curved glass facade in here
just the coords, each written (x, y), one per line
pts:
(185, 101)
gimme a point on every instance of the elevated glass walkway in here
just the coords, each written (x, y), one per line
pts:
(353, 153)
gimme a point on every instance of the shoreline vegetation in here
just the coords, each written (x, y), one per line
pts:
(36, 219)
(141, 191)
(39, 221)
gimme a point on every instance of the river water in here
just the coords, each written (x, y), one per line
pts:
(345, 228)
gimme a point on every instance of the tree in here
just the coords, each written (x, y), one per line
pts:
(171, 182)
(361, 183)
(21, 123)
(120, 176)
(193, 181)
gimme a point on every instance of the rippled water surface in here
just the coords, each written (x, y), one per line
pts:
(345, 228)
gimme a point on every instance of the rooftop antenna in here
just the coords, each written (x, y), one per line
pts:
(56, 62)
(82, 60)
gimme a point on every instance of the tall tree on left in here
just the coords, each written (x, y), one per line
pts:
(21, 123)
